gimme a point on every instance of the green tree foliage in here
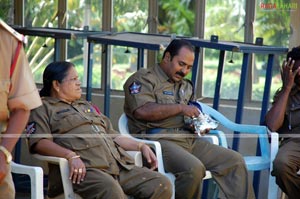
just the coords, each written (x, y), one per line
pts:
(176, 16)
(225, 19)
(6, 10)
(273, 24)
(130, 15)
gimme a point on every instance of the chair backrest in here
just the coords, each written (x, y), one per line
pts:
(122, 123)
(123, 129)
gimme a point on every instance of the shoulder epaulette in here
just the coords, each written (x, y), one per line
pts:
(144, 71)
(17, 35)
(189, 81)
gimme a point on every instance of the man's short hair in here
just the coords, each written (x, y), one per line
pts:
(175, 45)
(294, 53)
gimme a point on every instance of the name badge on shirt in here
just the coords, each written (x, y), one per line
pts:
(168, 93)
(63, 111)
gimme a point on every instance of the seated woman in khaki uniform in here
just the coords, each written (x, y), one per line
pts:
(65, 126)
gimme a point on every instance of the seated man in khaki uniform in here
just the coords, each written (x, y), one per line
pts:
(284, 117)
(65, 126)
(156, 102)
(18, 94)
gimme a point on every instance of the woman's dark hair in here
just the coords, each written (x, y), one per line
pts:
(294, 53)
(54, 71)
(175, 45)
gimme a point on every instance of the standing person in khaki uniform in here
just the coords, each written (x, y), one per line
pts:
(68, 127)
(18, 94)
(156, 102)
(284, 117)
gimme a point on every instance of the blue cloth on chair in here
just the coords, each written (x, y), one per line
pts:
(195, 103)
(154, 130)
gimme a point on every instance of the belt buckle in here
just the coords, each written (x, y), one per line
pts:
(176, 129)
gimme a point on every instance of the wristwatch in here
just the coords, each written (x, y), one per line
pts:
(6, 153)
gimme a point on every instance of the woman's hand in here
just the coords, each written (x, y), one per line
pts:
(149, 155)
(76, 166)
(77, 169)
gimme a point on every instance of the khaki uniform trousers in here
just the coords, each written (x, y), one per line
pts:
(137, 182)
(189, 158)
(7, 188)
(286, 168)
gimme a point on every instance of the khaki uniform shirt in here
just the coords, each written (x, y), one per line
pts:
(291, 123)
(80, 128)
(23, 93)
(153, 85)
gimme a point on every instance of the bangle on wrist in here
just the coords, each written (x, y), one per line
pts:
(140, 146)
(74, 157)
(7, 154)
(69, 155)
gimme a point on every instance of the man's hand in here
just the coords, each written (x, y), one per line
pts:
(287, 73)
(204, 132)
(190, 111)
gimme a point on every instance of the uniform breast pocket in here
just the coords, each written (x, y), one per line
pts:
(92, 116)
(164, 98)
(66, 120)
(91, 150)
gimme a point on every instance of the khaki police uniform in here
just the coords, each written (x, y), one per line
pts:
(287, 162)
(16, 92)
(110, 170)
(184, 155)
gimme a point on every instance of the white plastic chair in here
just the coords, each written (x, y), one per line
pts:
(64, 170)
(268, 150)
(123, 129)
(36, 178)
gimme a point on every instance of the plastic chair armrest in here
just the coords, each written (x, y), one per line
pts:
(137, 156)
(221, 136)
(36, 178)
(64, 170)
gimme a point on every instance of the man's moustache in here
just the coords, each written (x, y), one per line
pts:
(180, 73)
